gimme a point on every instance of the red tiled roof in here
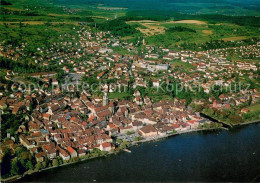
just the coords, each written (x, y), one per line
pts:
(71, 150)
(106, 144)
(45, 115)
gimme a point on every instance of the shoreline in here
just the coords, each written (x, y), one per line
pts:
(230, 125)
(134, 143)
(247, 123)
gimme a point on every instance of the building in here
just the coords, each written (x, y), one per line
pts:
(106, 146)
(73, 153)
(148, 131)
(162, 67)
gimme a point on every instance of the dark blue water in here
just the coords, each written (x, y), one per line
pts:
(201, 156)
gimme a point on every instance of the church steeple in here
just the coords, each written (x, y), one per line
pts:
(105, 99)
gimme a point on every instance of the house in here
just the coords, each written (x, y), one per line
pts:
(162, 67)
(173, 54)
(167, 58)
(162, 133)
(46, 116)
(217, 104)
(53, 108)
(185, 127)
(106, 146)
(73, 153)
(176, 127)
(148, 131)
(55, 82)
(82, 152)
(244, 110)
(168, 129)
(40, 156)
(100, 75)
(193, 124)
(25, 142)
(156, 83)
(125, 129)
(223, 97)
(64, 155)
(136, 125)
(51, 152)
(138, 100)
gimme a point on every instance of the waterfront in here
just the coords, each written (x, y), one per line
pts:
(199, 156)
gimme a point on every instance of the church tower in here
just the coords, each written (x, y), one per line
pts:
(105, 99)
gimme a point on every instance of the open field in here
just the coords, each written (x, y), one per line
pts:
(127, 38)
(182, 64)
(254, 108)
(118, 95)
(207, 32)
(201, 33)
(190, 22)
(158, 31)
(151, 29)
(148, 27)
(204, 31)
(237, 38)
(58, 15)
(13, 9)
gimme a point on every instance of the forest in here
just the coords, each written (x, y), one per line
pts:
(158, 15)
(180, 29)
(117, 27)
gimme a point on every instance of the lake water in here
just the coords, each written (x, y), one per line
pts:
(200, 156)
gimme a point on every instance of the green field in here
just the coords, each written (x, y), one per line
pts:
(202, 33)
(254, 108)
(40, 22)
(118, 95)
(183, 65)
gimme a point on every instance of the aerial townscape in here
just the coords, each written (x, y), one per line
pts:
(79, 83)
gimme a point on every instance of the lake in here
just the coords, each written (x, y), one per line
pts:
(220, 155)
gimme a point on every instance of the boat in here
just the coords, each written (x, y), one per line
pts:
(127, 150)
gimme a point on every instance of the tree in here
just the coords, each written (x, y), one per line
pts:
(55, 162)
(45, 163)
(125, 144)
(137, 138)
(129, 132)
(119, 141)
(29, 165)
(39, 166)
(210, 111)
(96, 152)
(236, 119)
(250, 100)
(15, 169)
(60, 160)
(26, 155)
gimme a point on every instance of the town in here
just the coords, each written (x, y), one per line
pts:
(127, 98)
